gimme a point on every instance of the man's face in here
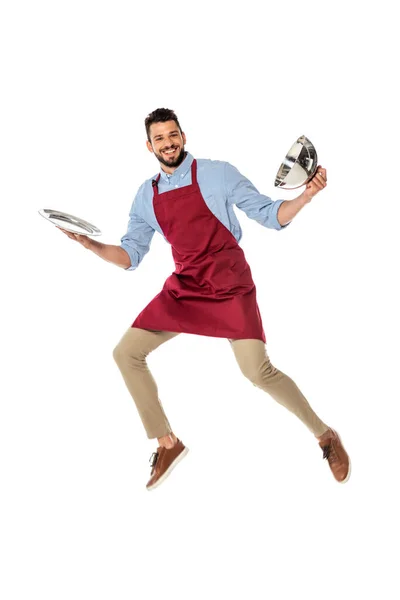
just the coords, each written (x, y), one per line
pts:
(167, 144)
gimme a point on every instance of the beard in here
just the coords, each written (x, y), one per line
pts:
(172, 163)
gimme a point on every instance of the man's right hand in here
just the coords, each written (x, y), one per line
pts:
(113, 254)
(82, 239)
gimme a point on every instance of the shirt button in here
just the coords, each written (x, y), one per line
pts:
(176, 186)
(181, 175)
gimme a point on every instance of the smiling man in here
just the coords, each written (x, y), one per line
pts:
(168, 144)
(211, 291)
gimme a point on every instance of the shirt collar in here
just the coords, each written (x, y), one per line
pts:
(181, 170)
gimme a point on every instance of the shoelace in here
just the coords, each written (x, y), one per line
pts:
(330, 452)
(153, 459)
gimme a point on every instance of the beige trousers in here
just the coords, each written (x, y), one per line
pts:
(136, 344)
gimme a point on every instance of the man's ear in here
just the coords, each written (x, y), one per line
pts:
(184, 138)
(149, 146)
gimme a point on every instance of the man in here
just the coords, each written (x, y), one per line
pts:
(211, 292)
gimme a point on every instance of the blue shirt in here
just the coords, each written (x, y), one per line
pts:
(221, 185)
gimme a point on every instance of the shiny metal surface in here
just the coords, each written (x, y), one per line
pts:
(299, 166)
(69, 222)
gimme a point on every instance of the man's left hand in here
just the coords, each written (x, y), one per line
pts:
(316, 184)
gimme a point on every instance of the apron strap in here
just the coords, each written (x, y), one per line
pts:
(154, 183)
(194, 172)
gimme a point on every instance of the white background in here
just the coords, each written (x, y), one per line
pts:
(253, 511)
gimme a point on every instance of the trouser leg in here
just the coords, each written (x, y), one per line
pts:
(255, 364)
(130, 355)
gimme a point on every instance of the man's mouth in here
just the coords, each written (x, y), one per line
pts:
(169, 152)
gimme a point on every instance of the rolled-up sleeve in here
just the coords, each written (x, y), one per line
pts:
(241, 192)
(136, 242)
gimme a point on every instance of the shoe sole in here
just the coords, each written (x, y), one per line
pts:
(169, 470)
(349, 471)
(348, 474)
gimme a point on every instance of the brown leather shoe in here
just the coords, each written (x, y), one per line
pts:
(163, 462)
(336, 455)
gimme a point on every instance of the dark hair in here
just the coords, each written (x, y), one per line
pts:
(160, 115)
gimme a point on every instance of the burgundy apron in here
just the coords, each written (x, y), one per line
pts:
(211, 292)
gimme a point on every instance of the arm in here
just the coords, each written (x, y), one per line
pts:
(240, 191)
(113, 254)
(134, 244)
(289, 208)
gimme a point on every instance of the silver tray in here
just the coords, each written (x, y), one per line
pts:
(69, 222)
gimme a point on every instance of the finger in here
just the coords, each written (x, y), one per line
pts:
(67, 233)
(322, 173)
(318, 182)
(319, 177)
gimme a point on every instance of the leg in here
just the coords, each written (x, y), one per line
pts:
(130, 355)
(256, 366)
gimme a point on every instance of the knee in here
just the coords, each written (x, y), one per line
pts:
(119, 354)
(125, 352)
(261, 374)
